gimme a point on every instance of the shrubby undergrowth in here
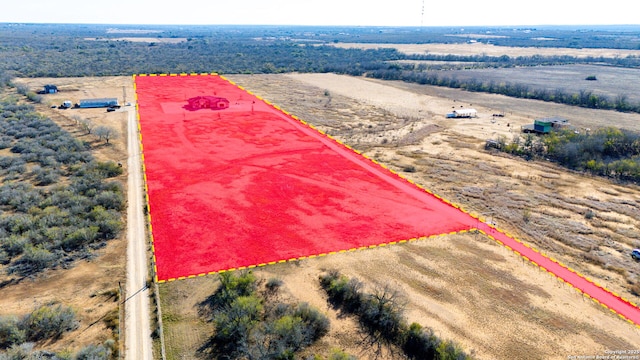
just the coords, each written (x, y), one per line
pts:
(56, 202)
(609, 152)
(381, 317)
(252, 321)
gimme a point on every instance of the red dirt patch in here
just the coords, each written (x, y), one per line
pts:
(248, 184)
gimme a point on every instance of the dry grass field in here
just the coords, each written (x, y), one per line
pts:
(89, 286)
(466, 287)
(611, 81)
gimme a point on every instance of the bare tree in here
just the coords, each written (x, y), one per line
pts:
(105, 133)
(77, 119)
(87, 126)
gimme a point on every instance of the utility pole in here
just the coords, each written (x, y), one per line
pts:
(124, 95)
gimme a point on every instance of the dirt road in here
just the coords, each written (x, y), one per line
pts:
(137, 324)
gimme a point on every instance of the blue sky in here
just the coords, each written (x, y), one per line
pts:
(321, 12)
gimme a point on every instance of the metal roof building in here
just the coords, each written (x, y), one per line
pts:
(98, 103)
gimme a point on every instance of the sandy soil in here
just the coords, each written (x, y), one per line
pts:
(491, 50)
(89, 286)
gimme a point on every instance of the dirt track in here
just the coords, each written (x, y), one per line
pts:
(137, 323)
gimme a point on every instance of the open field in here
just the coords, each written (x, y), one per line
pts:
(89, 286)
(611, 81)
(467, 288)
(537, 202)
(491, 50)
(449, 159)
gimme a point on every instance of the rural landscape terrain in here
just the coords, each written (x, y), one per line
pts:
(385, 94)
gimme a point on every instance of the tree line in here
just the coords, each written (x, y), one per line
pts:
(608, 152)
(584, 98)
(381, 316)
(62, 51)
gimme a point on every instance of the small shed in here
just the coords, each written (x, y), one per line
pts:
(545, 125)
(50, 89)
(208, 102)
(98, 103)
(542, 126)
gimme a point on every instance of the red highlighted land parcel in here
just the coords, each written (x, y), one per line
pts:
(234, 182)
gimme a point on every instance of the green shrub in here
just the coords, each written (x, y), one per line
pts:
(273, 284)
(232, 287)
(10, 333)
(338, 354)
(589, 215)
(108, 169)
(254, 325)
(34, 97)
(316, 324)
(342, 291)
(14, 245)
(94, 352)
(49, 322)
(33, 260)
(80, 238)
(447, 350)
(22, 89)
(233, 325)
(420, 343)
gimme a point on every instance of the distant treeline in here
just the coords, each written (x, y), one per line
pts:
(611, 37)
(76, 57)
(93, 50)
(471, 61)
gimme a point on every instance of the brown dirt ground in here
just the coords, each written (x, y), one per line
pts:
(88, 286)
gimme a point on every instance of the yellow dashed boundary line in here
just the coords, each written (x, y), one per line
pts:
(563, 280)
(146, 187)
(313, 256)
(391, 242)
